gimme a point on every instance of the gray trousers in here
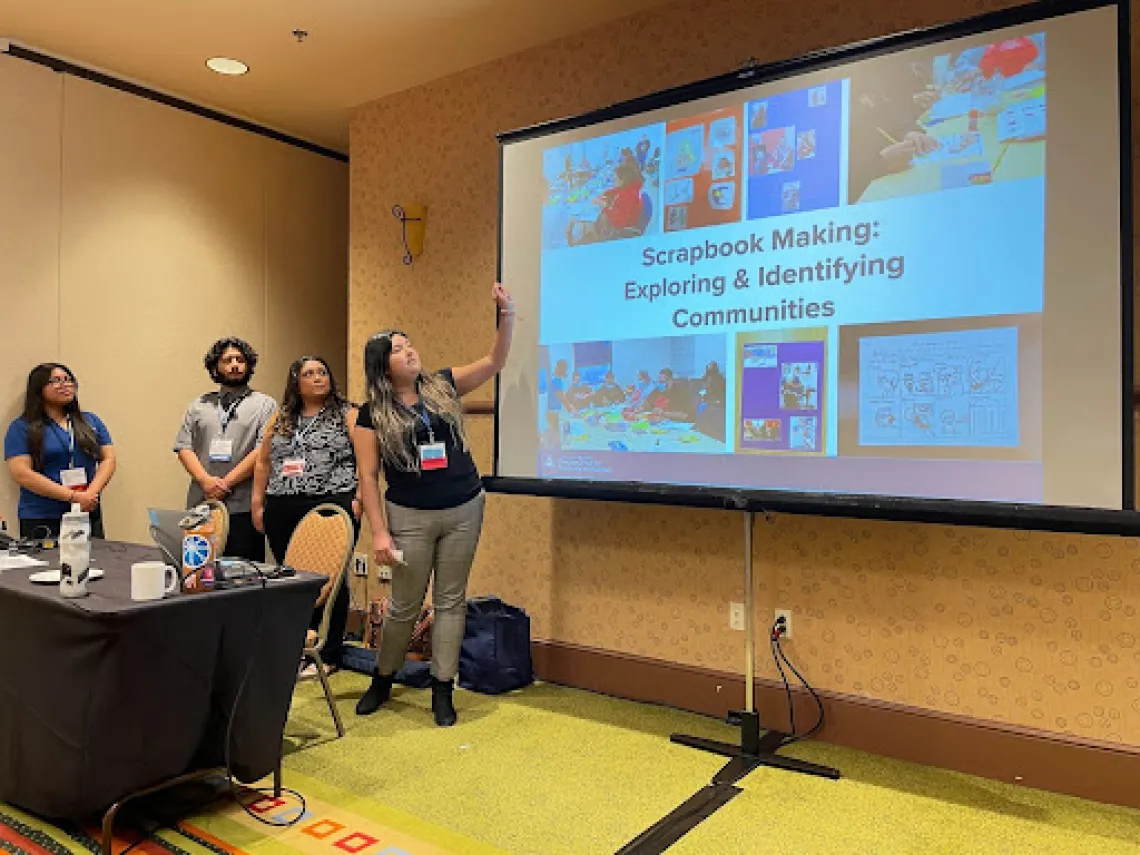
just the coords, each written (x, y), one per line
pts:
(444, 541)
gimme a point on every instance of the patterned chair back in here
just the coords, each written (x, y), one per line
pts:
(322, 543)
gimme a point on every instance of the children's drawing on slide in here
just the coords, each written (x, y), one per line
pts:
(956, 388)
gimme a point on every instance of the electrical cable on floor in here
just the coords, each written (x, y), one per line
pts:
(781, 659)
(169, 825)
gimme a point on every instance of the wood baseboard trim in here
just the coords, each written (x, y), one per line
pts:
(1102, 772)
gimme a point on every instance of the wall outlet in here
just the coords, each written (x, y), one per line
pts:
(736, 616)
(384, 574)
(360, 564)
(786, 614)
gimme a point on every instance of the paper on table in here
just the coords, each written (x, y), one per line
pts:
(19, 562)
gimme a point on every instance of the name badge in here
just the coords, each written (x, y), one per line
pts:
(433, 456)
(222, 450)
(293, 467)
(73, 479)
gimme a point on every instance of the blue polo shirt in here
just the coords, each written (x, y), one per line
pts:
(57, 457)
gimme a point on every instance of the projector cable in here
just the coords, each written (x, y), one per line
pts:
(781, 659)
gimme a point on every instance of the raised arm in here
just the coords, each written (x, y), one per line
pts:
(468, 378)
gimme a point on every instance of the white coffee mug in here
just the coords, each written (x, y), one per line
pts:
(152, 580)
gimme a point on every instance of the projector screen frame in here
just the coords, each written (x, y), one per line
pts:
(991, 514)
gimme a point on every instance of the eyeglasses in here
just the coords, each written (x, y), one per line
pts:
(60, 382)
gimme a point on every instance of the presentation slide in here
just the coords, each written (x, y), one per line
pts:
(898, 276)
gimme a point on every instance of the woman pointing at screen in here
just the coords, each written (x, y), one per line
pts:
(411, 427)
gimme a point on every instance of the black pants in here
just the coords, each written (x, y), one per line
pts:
(244, 540)
(39, 529)
(282, 516)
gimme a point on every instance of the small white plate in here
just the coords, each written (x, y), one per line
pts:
(51, 577)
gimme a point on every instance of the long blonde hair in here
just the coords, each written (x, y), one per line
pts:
(395, 424)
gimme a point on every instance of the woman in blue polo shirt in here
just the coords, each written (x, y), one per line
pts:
(58, 454)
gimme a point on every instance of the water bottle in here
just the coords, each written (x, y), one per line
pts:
(74, 553)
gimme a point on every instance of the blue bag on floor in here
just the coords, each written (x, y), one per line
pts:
(495, 656)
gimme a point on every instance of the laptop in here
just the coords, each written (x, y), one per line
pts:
(166, 530)
(166, 533)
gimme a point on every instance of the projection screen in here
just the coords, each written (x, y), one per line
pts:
(890, 271)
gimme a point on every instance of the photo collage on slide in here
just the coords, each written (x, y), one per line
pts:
(951, 388)
(660, 394)
(899, 127)
(782, 390)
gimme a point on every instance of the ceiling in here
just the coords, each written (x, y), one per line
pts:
(356, 50)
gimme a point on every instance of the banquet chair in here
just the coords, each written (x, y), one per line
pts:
(322, 543)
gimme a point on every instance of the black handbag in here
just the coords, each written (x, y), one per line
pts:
(495, 656)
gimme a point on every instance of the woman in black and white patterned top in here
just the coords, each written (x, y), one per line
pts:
(306, 459)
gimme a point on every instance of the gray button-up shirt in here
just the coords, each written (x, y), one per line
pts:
(202, 424)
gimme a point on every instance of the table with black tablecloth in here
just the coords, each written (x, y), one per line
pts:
(102, 696)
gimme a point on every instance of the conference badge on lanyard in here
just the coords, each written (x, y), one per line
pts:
(222, 449)
(433, 455)
(74, 477)
(294, 467)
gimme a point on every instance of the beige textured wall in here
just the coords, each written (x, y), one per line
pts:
(1034, 629)
(29, 236)
(132, 236)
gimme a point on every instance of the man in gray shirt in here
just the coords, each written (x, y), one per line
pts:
(217, 443)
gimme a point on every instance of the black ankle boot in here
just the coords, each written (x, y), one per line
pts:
(441, 706)
(377, 694)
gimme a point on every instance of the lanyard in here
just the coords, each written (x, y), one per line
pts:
(224, 415)
(422, 415)
(299, 433)
(70, 439)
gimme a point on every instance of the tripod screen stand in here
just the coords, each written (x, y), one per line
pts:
(754, 750)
